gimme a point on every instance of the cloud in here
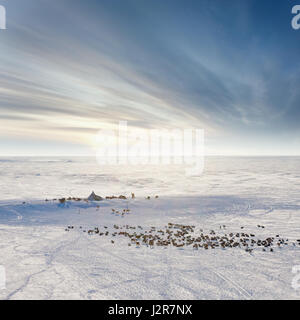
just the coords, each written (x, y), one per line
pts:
(168, 64)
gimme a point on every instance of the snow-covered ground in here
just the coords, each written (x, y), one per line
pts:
(44, 261)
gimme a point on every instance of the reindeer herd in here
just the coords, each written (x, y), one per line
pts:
(181, 236)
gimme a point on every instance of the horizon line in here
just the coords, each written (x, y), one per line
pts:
(207, 155)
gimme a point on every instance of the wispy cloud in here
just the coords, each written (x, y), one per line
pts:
(69, 68)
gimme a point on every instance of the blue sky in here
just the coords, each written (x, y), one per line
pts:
(71, 67)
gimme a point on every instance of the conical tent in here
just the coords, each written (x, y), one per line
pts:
(94, 197)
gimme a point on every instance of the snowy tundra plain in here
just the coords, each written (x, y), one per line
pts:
(48, 253)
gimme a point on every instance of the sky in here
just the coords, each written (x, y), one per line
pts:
(69, 68)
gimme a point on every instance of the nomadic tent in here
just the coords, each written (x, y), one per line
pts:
(94, 197)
